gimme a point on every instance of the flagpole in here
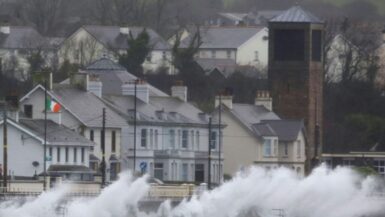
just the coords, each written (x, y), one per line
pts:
(45, 136)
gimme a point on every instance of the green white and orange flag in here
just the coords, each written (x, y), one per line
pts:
(53, 106)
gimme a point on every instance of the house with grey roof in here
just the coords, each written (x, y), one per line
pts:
(240, 46)
(170, 133)
(255, 135)
(82, 112)
(66, 149)
(91, 42)
(17, 43)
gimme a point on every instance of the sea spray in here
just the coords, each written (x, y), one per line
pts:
(255, 192)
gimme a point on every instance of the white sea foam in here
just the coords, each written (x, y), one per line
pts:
(256, 192)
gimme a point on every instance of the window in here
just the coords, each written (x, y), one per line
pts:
(151, 138)
(184, 139)
(158, 171)
(58, 154)
(197, 139)
(267, 148)
(289, 45)
(286, 149)
(213, 54)
(91, 135)
(28, 110)
(113, 141)
(66, 154)
(82, 155)
(149, 57)
(156, 139)
(229, 54)
(164, 55)
(50, 152)
(379, 165)
(316, 45)
(184, 172)
(256, 56)
(275, 147)
(75, 155)
(213, 140)
(298, 149)
(179, 138)
(143, 137)
(192, 139)
(172, 139)
(199, 172)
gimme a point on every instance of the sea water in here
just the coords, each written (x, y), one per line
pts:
(255, 192)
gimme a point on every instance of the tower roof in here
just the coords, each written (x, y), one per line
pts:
(296, 14)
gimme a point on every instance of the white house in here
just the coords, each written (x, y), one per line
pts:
(67, 152)
(254, 135)
(82, 112)
(245, 46)
(18, 43)
(90, 43)
(171, 134)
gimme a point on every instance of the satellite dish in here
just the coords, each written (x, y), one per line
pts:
(35, 164)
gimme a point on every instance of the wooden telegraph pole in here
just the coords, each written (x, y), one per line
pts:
(103, 146)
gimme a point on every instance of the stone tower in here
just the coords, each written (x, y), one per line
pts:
(296, 73)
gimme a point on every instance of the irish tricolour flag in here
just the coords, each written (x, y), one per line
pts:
(53, 106)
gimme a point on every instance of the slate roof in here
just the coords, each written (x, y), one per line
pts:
(296, 14)
(22, 37)
(110, 36)
(224, 37)
(286, 130)
(113, 75)
(250, 114)
(225, 66)
(159, 110)
(56, 134)
(87, 107)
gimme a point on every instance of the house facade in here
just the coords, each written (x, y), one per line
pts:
(90, 43)
(254, 135)
(65, 149)
(245, 46)
(169, 134)
(18, 43)
(82, 112)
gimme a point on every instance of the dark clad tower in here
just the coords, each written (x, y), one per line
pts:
(296, 73)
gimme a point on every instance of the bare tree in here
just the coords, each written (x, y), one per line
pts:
(45, 14)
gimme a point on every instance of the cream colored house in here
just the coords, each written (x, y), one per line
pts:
(90, 43)
(257, 136)
(246, 46)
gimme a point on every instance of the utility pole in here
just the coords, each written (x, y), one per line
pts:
(103, 140)
(45, 137)
(135, 92)
(220, 138)
(209, 157)
(5, 147)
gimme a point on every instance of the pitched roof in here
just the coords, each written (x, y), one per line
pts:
(111, 36)
(56, 134)
(112, 75)
(224, 37)
(250, 114)
(159, 110)
(22, 37)
(225, 66)
(286, 130)
(296, 14)
(87, 107)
